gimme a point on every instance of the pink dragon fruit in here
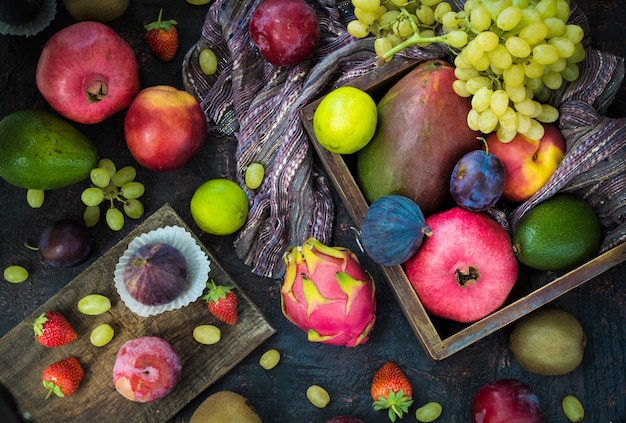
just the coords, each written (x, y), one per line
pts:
(327, 294)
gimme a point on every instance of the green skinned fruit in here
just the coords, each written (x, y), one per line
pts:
(43, 151)
(559, 234)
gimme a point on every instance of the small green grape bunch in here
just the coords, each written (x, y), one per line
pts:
(398, 24)
(113, 186)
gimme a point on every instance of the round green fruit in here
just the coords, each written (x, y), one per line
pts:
(558, 234)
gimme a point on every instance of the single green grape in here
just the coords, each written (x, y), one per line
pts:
(100, 177)
(208, 61)
(318, 396)
(114, 218)
(133, 208)
(425, 14)
(123, 176)
(509, 18)
(94, 304)
(487, 40)
(358, 29)
(255, 172)
(108, 165)
(132, 190)
(101, 335)
(15, 274)
(207, 334)
(269, 359)
(92, 196)
(35, 197)
(91, 216)
(573, 409)
(428, 412)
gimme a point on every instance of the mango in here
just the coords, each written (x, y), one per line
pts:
(421, 133)
(43, 151)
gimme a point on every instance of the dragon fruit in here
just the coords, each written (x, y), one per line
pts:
(327, 294)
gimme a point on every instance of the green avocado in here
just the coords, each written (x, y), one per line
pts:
(42, 151)
(559, 234)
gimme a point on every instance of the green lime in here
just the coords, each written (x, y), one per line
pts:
(345, 120)
(219, 207)
(558, 234)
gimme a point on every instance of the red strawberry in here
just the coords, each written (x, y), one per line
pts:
(53, 330)
(162, 38)
(63, 377)
(391, 390)
(222, 302)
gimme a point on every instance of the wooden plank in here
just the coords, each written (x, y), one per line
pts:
(23, 359)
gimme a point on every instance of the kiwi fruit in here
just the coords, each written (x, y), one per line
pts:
(548, 342)
(225, 407)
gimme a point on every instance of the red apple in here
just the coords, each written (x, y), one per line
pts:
(506, 401)
(164, 128)
(146, 369)
(528, 164)
(87, 72)
(285, 31)
(466, 269)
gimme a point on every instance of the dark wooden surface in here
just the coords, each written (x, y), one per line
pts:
(280, 394)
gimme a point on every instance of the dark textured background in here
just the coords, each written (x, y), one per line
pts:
(279, 395)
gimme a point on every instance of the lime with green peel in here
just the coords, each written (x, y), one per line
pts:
(559, 234)
(345, 120)
(219, 207)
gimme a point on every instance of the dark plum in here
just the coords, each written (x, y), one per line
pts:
(477, 181)
(65, 243)
(344, 419)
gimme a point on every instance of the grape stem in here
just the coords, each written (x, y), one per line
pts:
(415, 39)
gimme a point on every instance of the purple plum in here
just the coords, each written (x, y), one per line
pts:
(477, 181)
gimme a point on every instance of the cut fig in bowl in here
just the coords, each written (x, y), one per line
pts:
(161, 270)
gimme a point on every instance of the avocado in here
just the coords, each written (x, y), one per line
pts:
(43, 151)
(559, 234)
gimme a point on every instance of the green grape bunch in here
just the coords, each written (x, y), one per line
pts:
(509, 55)
(113, 186)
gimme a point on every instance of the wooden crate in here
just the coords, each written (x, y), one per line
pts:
(441, 338)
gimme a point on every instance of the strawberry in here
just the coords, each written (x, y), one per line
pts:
(53, 330)
(63, 377)
(391, 390)
(162, 38)
(222, 302)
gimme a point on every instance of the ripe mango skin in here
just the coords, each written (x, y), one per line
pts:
(43, 151)
(422, 132)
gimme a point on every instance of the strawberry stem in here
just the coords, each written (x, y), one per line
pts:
(159, 24)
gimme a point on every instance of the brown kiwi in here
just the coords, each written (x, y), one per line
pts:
(225, 407)
(548, 342)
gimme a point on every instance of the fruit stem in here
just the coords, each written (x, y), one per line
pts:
(95, 90)
(30, 247)
(466, 277)
(415, 39)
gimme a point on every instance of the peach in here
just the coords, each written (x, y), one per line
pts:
(528, 164)
(146, 369)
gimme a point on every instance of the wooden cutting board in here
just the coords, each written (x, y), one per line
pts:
(22, 359)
